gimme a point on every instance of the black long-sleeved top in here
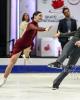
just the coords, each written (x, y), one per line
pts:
(75, 34)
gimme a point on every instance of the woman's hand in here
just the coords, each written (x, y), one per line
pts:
(48, 28)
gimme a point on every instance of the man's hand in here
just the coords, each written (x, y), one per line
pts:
(77, 43)
(56, 35)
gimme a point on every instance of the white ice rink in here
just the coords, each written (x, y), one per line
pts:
(38, 86)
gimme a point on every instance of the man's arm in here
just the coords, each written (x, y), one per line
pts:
(67, 34)
(76, 34)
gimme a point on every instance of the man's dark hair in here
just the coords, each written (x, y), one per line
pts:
(65, 8)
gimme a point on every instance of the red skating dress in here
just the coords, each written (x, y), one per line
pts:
(27, 38)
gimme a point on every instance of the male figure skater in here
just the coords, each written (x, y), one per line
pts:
(71, 49)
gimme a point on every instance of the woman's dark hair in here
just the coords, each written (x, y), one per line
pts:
(65, 8)
(35, 14)
(23, 17)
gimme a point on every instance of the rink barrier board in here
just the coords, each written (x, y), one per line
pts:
(35, 69)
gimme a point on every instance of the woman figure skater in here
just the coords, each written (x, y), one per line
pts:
(24, 42)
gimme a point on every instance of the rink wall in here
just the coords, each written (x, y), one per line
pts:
(36, 69)
(34, 65)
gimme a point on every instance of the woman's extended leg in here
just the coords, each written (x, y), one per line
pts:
(9, 67)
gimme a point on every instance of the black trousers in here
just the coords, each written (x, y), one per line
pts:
(72, 61)
(63, 41)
